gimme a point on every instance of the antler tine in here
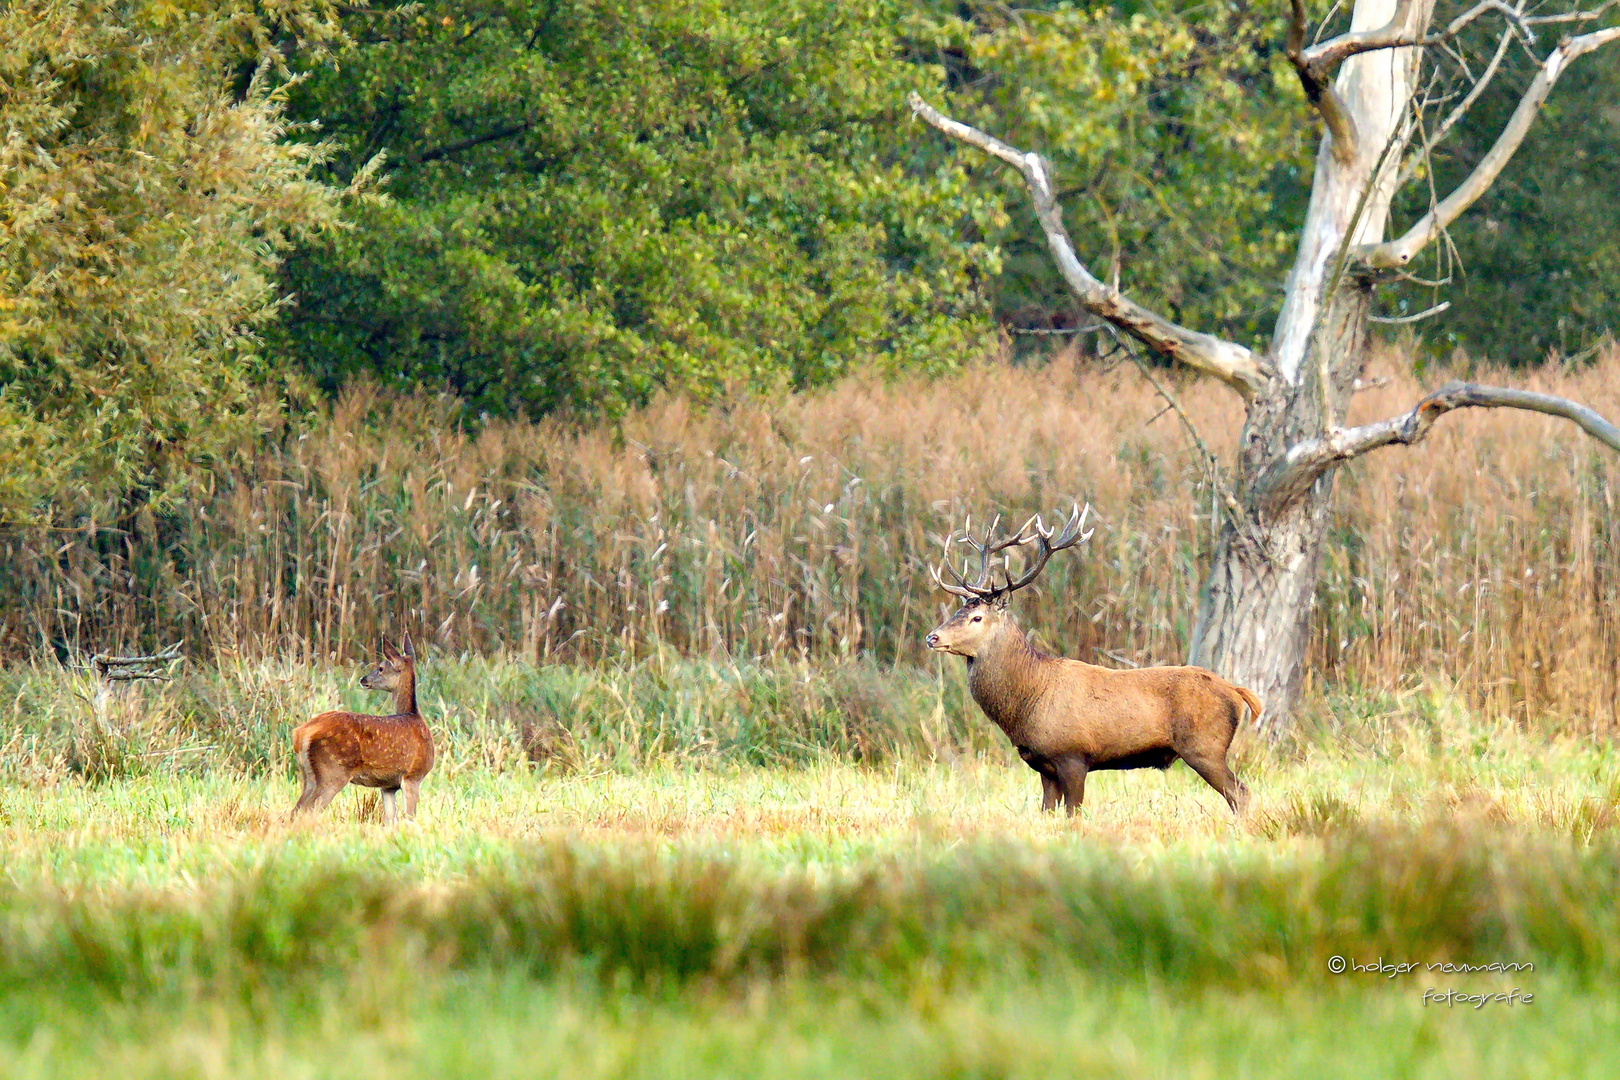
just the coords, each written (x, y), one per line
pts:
(960, 589)
(987, 546)
(967, 590)
(1068, 537)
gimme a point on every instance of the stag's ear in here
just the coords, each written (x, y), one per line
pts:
(1000, 601)
(408, 649)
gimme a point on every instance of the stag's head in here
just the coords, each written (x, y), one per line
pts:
(983, 614)
(394, 663)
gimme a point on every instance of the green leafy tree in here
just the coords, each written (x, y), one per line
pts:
(146, 188)
(590, 201)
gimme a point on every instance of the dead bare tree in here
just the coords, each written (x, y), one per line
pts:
(1368, 84)
(112, 672)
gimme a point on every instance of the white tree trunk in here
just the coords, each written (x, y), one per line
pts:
(1254, 615)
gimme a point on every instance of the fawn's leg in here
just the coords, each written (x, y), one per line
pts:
(390, 812)
(330, 778)
(411, 788)
(306, 798)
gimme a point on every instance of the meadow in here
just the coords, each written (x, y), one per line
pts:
(704, 808)
(742, 893)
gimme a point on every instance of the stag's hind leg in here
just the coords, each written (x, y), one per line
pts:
(1218, 775)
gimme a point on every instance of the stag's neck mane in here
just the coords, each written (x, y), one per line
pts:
(405, 692)
(1007, 678)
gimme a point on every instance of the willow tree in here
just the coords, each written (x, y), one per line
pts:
(147, 186)
(1385, 88)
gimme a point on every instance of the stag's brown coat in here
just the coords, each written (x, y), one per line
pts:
(1067, 718)
(392, 753)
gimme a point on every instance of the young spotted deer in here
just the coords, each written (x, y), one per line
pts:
(1069, 718)
(392, 753)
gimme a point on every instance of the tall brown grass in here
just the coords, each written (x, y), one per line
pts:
(1485, 558)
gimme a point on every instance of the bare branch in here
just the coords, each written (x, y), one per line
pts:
(111, 669)
(450, 149)
(1400, 251)
(1212, 465)
(171, 652)
(1228, 361)
(1456, 114)
(1319, 89)
(1402, 320)
(1292, 475)
(1395, 35)
(1573, 16)
(1323, 56)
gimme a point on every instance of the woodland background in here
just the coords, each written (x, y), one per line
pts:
(579, 330)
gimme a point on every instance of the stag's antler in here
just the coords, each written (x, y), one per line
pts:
(1034, 530)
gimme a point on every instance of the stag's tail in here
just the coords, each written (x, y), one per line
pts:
(1250, 700)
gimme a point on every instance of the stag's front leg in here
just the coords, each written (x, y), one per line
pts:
(1071, 773)
(1050, 789)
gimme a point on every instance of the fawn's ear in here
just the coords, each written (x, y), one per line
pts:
(388, 650)
(408, 649)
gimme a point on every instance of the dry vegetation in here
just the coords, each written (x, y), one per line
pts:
(733, 815)
(1485, 558)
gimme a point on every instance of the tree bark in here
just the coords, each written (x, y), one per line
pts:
(1254, 613)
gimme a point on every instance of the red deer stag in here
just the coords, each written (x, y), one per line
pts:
(392, 753)
(1068, 718)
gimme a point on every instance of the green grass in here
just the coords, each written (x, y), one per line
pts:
(504, 1025)
(892, 905)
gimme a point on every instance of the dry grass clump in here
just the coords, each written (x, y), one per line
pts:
(803, 527)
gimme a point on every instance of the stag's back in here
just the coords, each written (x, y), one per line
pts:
(1118, 714)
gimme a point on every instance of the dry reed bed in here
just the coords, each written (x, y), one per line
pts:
(774, 530)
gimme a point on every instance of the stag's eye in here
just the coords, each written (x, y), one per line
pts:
(978, 618)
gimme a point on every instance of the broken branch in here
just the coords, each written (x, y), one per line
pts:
(1228, 361)
(1291, 476)
(1399, 252)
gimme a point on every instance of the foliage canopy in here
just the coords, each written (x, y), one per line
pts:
(146, 189)
(591, 201)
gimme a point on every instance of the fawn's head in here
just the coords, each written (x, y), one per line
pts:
(983, 616)
(394, 664)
